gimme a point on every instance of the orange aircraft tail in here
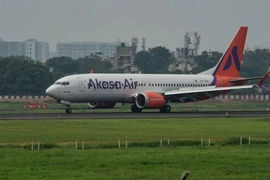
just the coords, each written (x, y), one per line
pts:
(230, 62)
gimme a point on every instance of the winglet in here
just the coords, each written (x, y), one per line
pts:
(260, 83)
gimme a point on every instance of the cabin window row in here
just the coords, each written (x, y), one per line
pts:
(174, 85)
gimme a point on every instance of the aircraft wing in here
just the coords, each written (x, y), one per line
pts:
(204, 90)
(195, 94)
(199, 93)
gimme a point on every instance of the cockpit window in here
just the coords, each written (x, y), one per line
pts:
(61, 83)
(58, 83)
(65, 83)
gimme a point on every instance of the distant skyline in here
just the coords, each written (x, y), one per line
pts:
(161, 22)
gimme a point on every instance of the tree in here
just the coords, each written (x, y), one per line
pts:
(66, 65)
(154, 60)
(255, 62)
(142, 60)
(206, 60)
(22, 76)
(93, 62)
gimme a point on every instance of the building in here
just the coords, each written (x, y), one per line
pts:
(3, 48)
(11, 48)
(30, 48)
(124, 59)
(16, 49)
(77, 50)
(38, 51)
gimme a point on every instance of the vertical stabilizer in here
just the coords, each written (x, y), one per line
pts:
(230, 62)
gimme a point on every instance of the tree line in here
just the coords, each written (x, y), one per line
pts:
(23, 76)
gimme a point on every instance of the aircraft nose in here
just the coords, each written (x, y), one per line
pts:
(51, 91)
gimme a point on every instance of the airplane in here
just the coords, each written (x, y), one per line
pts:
(156, 91)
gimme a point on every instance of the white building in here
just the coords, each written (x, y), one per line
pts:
(11, 48)
(38, 51)
(77, 50)
(44, 54)
(30, 48)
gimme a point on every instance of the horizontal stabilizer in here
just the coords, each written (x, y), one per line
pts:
(246, 79)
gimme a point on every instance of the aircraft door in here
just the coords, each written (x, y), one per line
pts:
(149, 85)
(144, 85)
(81, 84)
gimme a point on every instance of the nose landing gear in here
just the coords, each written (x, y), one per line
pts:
(68, 110)
(67, 104)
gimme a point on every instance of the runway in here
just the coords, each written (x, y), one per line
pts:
(129, 115)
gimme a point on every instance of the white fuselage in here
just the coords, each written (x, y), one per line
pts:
(121, 87)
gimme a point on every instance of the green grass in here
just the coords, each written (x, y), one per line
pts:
(18, 107)
(213, 163)
(132, 129)
(144, 158)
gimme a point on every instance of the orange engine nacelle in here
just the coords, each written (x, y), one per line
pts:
(150, 100)
(101, 105)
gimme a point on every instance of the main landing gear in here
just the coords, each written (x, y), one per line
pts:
(135, 109)
(166, 109)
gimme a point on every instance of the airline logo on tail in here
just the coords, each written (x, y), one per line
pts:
(231, 60)
(235, 58)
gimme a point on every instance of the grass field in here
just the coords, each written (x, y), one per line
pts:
(61, 161)
(131, 129)
(246, 163)
(18, 107)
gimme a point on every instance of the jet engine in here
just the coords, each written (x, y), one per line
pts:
(101, 105)
(150, 100)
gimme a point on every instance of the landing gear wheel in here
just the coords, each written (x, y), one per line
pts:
(165, 109)
(68, 110)
(135, 109)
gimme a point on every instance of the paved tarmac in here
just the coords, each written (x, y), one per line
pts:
(129, 115)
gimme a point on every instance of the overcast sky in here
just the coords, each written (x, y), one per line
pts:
(161, 22)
